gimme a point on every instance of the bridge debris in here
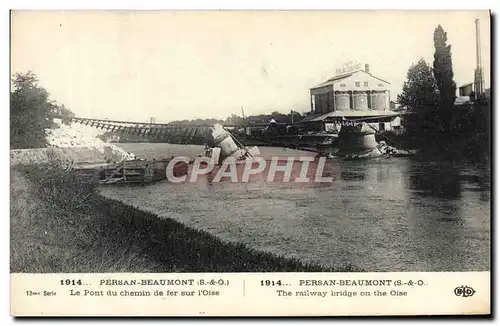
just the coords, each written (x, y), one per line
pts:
(80, 136)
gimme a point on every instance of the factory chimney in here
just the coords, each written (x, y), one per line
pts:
(478, 75)
(367, 68)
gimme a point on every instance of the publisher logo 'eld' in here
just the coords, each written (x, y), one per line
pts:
(464, 291)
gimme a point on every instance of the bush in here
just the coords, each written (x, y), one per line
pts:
(61, 186)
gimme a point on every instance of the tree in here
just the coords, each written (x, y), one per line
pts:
(443, 74)
(235, 120)
(420, 95)
(32, 112)
(296, 116)
(419, 91)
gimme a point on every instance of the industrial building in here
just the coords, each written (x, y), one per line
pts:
(352, 93)
(356, 90)
(466, 90)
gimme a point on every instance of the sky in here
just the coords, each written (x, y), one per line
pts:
(134, 65)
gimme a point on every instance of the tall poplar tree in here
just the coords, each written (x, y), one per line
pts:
(443, 74)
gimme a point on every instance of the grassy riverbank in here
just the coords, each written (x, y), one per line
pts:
(60, 224)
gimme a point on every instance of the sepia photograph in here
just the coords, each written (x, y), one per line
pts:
(250, 141)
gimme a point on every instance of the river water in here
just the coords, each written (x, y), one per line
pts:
(387, 214)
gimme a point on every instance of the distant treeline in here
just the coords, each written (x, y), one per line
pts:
(293, 116)
(240, 121)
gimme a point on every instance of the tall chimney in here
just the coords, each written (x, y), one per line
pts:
(478, 45)
(478, 76)
(367, 68)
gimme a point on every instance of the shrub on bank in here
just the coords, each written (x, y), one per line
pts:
(109, 236)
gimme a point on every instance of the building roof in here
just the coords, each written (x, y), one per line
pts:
(309, 118)
(465, 85)
(334, 79)
(342, 76)
(351, 114)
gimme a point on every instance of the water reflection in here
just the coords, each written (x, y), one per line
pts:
(439, 180)
(448, 181)
(352, 175)
(482, 182)
(382, 174)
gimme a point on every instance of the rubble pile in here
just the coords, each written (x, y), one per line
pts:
(80, 136)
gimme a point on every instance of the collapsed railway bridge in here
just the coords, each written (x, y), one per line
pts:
(172, 133)
(175, 133)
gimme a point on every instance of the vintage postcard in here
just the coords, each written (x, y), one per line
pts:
(250, 163)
